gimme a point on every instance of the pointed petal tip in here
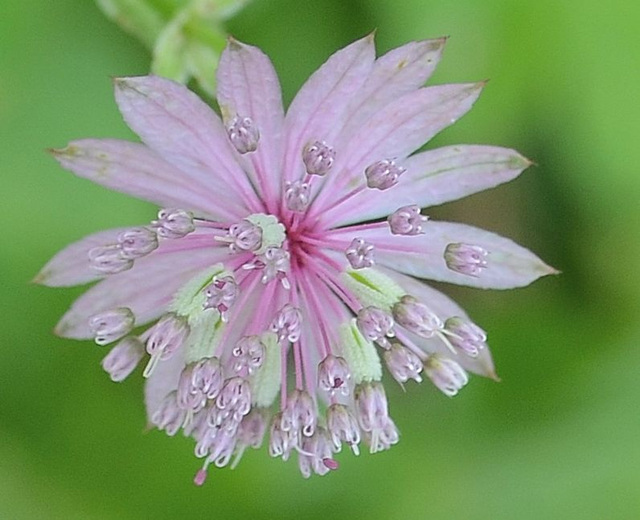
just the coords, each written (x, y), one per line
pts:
(40, 278)
(495, 377)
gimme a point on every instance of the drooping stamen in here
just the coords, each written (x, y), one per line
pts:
(243, 236)
(233, 403)
(360, 254)
(165, 338)
(318, 158)
(221, 294)
(296, 195)
(173, 223)
(274, 264)
(123, 359)
(403, 364)
(334, 375)
(343, 427)
(446, 374)
(466, 258)
(315, 454)
(111, 325)
(137, 242)
(465, 335)
(416, 317)
(382, 175)
(299, 416)
(199, 382)
(375, 325)
(108, 259)
(280, 441)
(373, 416)
(243, 134)
(407, 221)
(287, 323)
(248, 354)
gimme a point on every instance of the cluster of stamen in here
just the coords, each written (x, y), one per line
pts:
(222, 398)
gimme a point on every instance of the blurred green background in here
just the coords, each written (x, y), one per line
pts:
(558, 438)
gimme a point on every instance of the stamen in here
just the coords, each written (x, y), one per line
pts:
(123, 359)
(108, 259)
(244, 136)
(243, 236)
(287, 323)
(248, 354)
(407, 221)
(199, 382)
(373, 416)
(221, 294)
(446, 374)
(111, 325)
(333, 375)
(297, 195)
(360, 254)
(465, 335)
(375, 325)
(416, 317)
(173, 223)
(343, 427)
(403, 364)
(318, 158)
(165, 338)
(137, 242)
(382, 175)
(466, 258)
(274, 264)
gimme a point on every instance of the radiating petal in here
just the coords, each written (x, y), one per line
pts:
(71, 265)
(398, 72)
(435, 177)
(182, 129)
(146, 289)
(318, 111)
(393, 133)
(445, 308)
(137, 170)
(248, 87)
(509, 265)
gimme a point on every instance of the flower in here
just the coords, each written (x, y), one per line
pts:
(289, 243)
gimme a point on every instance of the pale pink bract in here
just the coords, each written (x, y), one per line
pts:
(289, 242)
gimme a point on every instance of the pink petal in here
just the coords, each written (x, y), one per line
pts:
(435, 177)
(146, 289)
(396, 131)
(398, 72)
(71, 265)
(248, 87)
(319, 109)
(445, 308)
(509, 265)
(181, 128)
(137, 170)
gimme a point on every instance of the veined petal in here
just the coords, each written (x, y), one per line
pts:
(137, 170)
(146, 289)
(248, 86)
(444, 307)
(398, 72)
(182, 129)
(71, 265)
(396, 131)
(435, 177)
(319, 109)
(509, 265)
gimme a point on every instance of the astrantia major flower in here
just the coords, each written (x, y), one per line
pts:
(288, 258)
